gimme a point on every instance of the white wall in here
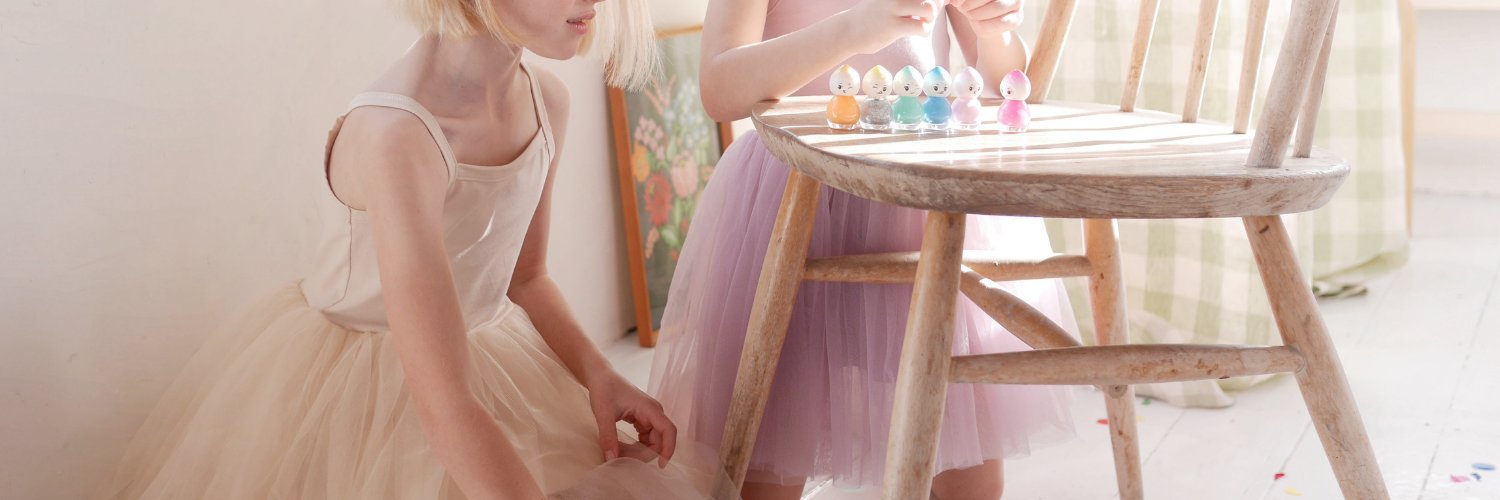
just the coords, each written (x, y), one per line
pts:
(158, 160)
(1456, 55)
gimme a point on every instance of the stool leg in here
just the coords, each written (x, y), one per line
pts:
(1324, 388)
(922, 379)
(780, 275)
(1107, 298)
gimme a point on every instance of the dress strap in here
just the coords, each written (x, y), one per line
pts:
(401, 102)
(541, 111)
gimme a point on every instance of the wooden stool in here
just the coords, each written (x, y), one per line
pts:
(1087, 161)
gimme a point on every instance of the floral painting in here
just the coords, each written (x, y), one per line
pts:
(667, 146)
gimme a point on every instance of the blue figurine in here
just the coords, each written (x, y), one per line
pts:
(937, 112)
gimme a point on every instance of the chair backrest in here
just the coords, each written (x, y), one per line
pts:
(1296, 86)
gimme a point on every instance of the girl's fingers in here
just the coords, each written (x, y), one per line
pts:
(642, 429)
(1002, 24)
(982, 10)
(668, 437)
(656, 440)
(926, 10)
(607, 442)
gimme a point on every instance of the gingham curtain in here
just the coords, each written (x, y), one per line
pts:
(1196, 280)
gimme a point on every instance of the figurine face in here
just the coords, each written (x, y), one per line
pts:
(1015, 86)
(843, 81)
(908, 82)
(877, 82)
(937, 83)
(968, 83)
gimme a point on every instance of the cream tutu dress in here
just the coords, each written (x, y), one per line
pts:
(303, 396)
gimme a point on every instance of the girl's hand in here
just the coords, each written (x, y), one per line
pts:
(877, 23)
(614, 399)
(991, 17)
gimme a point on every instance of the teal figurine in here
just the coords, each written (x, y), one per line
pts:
(937, 112)
(906, 113)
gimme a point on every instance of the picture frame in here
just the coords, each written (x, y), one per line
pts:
(666, 146)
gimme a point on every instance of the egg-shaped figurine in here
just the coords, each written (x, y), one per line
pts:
(875, 110)
(966, 89)
(843, 110)
(906, 112)
(936, 110)
(1014, 116)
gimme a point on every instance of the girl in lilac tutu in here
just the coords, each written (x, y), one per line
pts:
(830, 404)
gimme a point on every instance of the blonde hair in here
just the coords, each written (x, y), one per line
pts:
(622, 36)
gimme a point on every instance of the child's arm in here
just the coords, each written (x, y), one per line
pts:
(985, 30)
(611, 396)
(402, 180)
(738, 69)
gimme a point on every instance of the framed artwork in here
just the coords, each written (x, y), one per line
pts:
(666, 146)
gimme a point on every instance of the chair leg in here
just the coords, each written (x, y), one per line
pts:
(922, 379)
(1325, 390)
(780, 275)
(1107, 298)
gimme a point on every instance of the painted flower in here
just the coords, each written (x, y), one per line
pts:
(650, 134)
(640, 164)
(651, 239)
(658, 199)
(685, 175)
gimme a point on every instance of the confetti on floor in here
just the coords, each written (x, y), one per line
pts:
(1278, 476)
(1146, 402)
(1458, 479)
(1477, 477)
(1483, 466)
(1103, 421)
(1293, 491)
(1139, 418)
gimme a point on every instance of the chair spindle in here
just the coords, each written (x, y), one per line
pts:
(1255, 42)
(1144, 28)
(1049, 45)
(1208, 15)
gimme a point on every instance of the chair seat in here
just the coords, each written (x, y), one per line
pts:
(1080, 160)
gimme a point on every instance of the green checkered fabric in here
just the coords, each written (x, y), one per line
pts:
(1196, 280)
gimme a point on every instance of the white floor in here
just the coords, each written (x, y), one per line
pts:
(1422, 350)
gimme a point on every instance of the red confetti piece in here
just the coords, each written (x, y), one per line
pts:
(1278, 476)
(1458, 479)
(1103, 421)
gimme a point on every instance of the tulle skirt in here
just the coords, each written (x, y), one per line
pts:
(287, 405)
(830, 404)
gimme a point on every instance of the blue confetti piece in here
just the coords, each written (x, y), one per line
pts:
(1477, 477)
(1483, 466)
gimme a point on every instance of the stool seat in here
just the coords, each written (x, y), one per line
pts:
(1079, 160)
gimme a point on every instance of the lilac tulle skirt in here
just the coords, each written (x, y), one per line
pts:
(830, 404)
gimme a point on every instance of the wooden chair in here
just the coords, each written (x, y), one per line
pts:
(1088, 161)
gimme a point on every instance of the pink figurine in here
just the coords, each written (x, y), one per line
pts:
(1014, 116)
